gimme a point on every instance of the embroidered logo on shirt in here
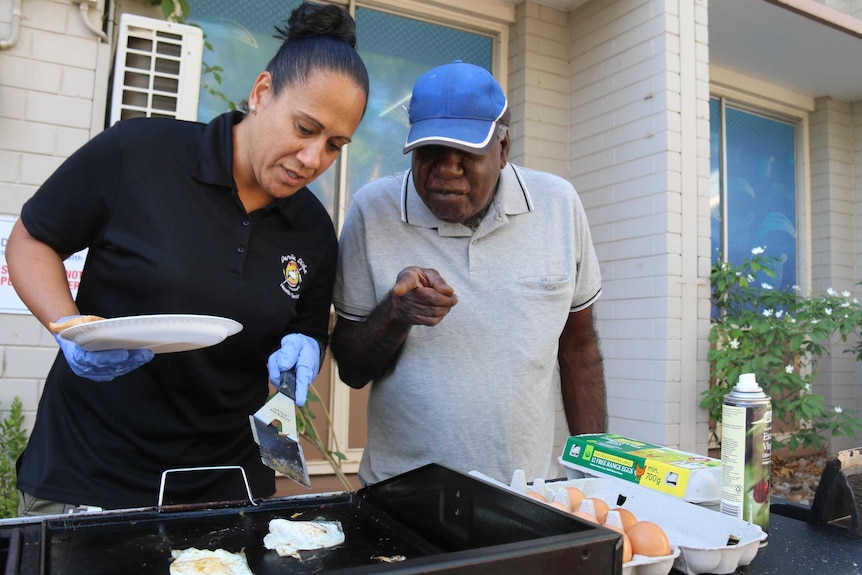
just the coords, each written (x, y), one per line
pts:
(294, 270)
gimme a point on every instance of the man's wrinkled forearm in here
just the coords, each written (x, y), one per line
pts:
(582, 375)
(584, 392)
(365, 350)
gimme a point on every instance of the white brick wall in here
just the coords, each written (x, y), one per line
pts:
(538, 88)
(834, 194)
(47, 87)
(538, 93)
(856, 115)
(636, 98)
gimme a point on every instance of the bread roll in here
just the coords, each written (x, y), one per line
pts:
(58, 327)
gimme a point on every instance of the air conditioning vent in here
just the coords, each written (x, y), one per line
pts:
(157, 69)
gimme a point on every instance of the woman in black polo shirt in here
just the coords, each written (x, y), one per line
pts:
(187, 218)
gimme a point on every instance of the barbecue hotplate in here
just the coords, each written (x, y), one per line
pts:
(439, 520)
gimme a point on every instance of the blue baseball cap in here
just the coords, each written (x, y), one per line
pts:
(456, 105)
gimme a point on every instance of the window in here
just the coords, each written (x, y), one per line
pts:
(753, 188)
(396, 50)
(239, 44)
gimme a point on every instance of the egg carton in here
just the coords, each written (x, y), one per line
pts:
(702, 540)
(689, 476)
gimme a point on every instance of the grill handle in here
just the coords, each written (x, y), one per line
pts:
(211, 468)
(13, 559)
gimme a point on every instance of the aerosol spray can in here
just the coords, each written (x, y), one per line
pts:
(746, 452)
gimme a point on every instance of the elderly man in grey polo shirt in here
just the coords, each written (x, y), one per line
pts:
(464, 293)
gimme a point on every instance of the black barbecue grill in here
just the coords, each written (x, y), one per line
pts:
(440, 520)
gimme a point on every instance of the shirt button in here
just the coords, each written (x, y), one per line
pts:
(246, 223)
(240, 250)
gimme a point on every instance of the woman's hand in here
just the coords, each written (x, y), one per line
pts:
(296, 350)
(101, 365)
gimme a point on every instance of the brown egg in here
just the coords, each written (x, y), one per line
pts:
(587, 506)
(559, 506)
(601, 509)
(536, 495)
(575, 496)
(628, 518)
(585, 516)
(627, 549)
(614, 522)
(648, 539)
(627, 544)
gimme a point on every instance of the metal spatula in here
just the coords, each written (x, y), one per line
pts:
(280, 449)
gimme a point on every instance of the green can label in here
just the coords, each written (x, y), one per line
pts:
(746, 461)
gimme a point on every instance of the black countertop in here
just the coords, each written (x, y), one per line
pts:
(796, 547)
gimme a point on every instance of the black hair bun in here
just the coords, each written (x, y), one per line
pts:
(310, 19)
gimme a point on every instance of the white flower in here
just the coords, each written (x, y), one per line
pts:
(815, 321)
(767, 313)
(845, 304)
(807, 387)
(792, 319)
(765, 285)
(855, 300)
(794, 287)
(788, 368)
(779, 313)
(845, 293)
(838, 409)
(828, 310)
(757, 251)
(831, 291)
(734, 343)
(750, 278)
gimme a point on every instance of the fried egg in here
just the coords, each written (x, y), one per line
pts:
(288, 538)
(194, 561)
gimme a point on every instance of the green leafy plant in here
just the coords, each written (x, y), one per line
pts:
(782, 337)
(305, 428)
(173, 10)
(211, 74)
(13, 440)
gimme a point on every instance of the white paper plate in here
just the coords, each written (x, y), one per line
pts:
(162, 333)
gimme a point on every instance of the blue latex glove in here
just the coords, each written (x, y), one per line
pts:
(301, 351)
(101, 365)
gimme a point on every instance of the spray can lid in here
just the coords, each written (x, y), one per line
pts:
(747, 382)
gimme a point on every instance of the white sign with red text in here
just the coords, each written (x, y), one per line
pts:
(9, 300)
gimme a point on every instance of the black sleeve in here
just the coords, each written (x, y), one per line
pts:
(71, 208)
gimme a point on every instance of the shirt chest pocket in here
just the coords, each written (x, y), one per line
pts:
(538, 309)
(550, 285)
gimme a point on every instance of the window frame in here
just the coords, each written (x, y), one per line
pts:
(755, 96)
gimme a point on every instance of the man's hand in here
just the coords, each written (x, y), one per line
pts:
(101, 365)
(365, 349)
(303, 352)
(421, 297)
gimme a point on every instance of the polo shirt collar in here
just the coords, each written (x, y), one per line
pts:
(215, 159)
(512, 198)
